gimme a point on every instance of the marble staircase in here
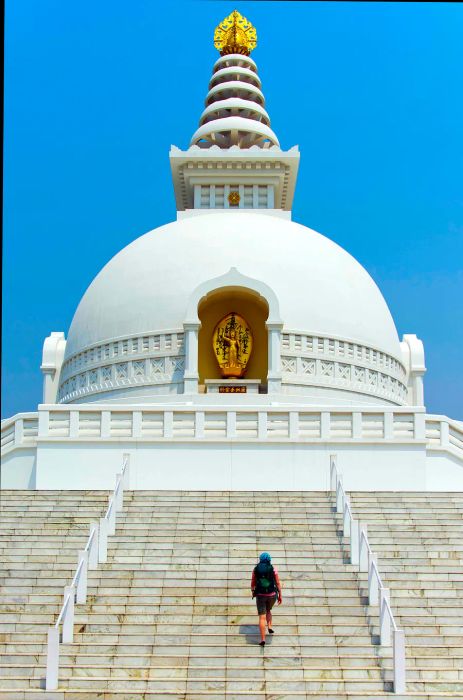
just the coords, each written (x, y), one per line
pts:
(41, 533)
(418, 538)
(170, 614)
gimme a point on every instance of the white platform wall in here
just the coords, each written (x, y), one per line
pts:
(231, 466)
(231, 447)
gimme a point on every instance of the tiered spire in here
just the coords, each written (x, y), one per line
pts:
(235, 112)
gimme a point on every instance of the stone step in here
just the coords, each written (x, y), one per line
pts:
(149, 624)
(120, 665)
(273, 684)
(156, 662)
(123, 647)
(113, 612)
(219, 671)
(208, 563)
(138, 603)
(72, 694)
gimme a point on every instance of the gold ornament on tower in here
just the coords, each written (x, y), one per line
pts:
(232, 344)
(234, 198)
(235, 35)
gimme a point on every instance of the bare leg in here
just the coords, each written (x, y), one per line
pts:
(262, 627)
(269, 620)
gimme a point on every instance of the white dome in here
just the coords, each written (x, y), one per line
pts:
(126, 341)
(321, 288)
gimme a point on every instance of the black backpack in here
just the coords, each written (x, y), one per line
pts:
(265, 578)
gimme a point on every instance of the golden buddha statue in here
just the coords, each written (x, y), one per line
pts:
(232, 343)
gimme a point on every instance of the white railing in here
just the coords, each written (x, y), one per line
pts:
(217, 422)
(20, 430)
(362, 556)
(93, 423)
(94, 553)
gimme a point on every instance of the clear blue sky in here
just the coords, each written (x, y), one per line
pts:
(96, 92)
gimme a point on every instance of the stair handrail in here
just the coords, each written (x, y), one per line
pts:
(64, 610)
(398, 644)
(95, 552)
(363, 557)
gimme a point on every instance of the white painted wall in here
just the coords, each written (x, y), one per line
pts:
(444, 472)
(18, 469)
(246, 467)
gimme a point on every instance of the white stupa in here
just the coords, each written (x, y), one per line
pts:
(140, 371)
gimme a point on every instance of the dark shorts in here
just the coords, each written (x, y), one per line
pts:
(265, 603)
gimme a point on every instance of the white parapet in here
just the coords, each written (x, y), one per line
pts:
(231, 446)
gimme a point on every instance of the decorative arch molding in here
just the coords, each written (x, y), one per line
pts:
(232, 280)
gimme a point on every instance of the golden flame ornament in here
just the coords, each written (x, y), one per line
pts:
(235, 35)
(232, 344)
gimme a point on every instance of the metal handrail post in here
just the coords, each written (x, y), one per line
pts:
(93, 549)
(339, 495)
(126, 470)
(68, 617)
(354, 542)
(383, 595)
(363, 548)
(112, 516)
(81, 589)
(333, 472)
(347, 519)
(399, 661)
(51, 677)
(119, 492)
(385, 620)
(373, 581)
(103, 541)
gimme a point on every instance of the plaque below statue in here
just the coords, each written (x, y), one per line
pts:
(232, 344)
(232, 386)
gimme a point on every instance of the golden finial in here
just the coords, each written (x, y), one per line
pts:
(235, 35)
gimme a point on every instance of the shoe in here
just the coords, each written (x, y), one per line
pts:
(271, 631)
(261, 644)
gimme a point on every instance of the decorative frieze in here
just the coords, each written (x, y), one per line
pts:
(149, 359)
(331, 362)
(160, 370)
(116, 350)
(159, 358)
(352, 353)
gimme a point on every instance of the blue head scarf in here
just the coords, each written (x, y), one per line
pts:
(265, 556)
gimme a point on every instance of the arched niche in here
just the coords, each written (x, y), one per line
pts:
(254, 309)
(263, 301)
